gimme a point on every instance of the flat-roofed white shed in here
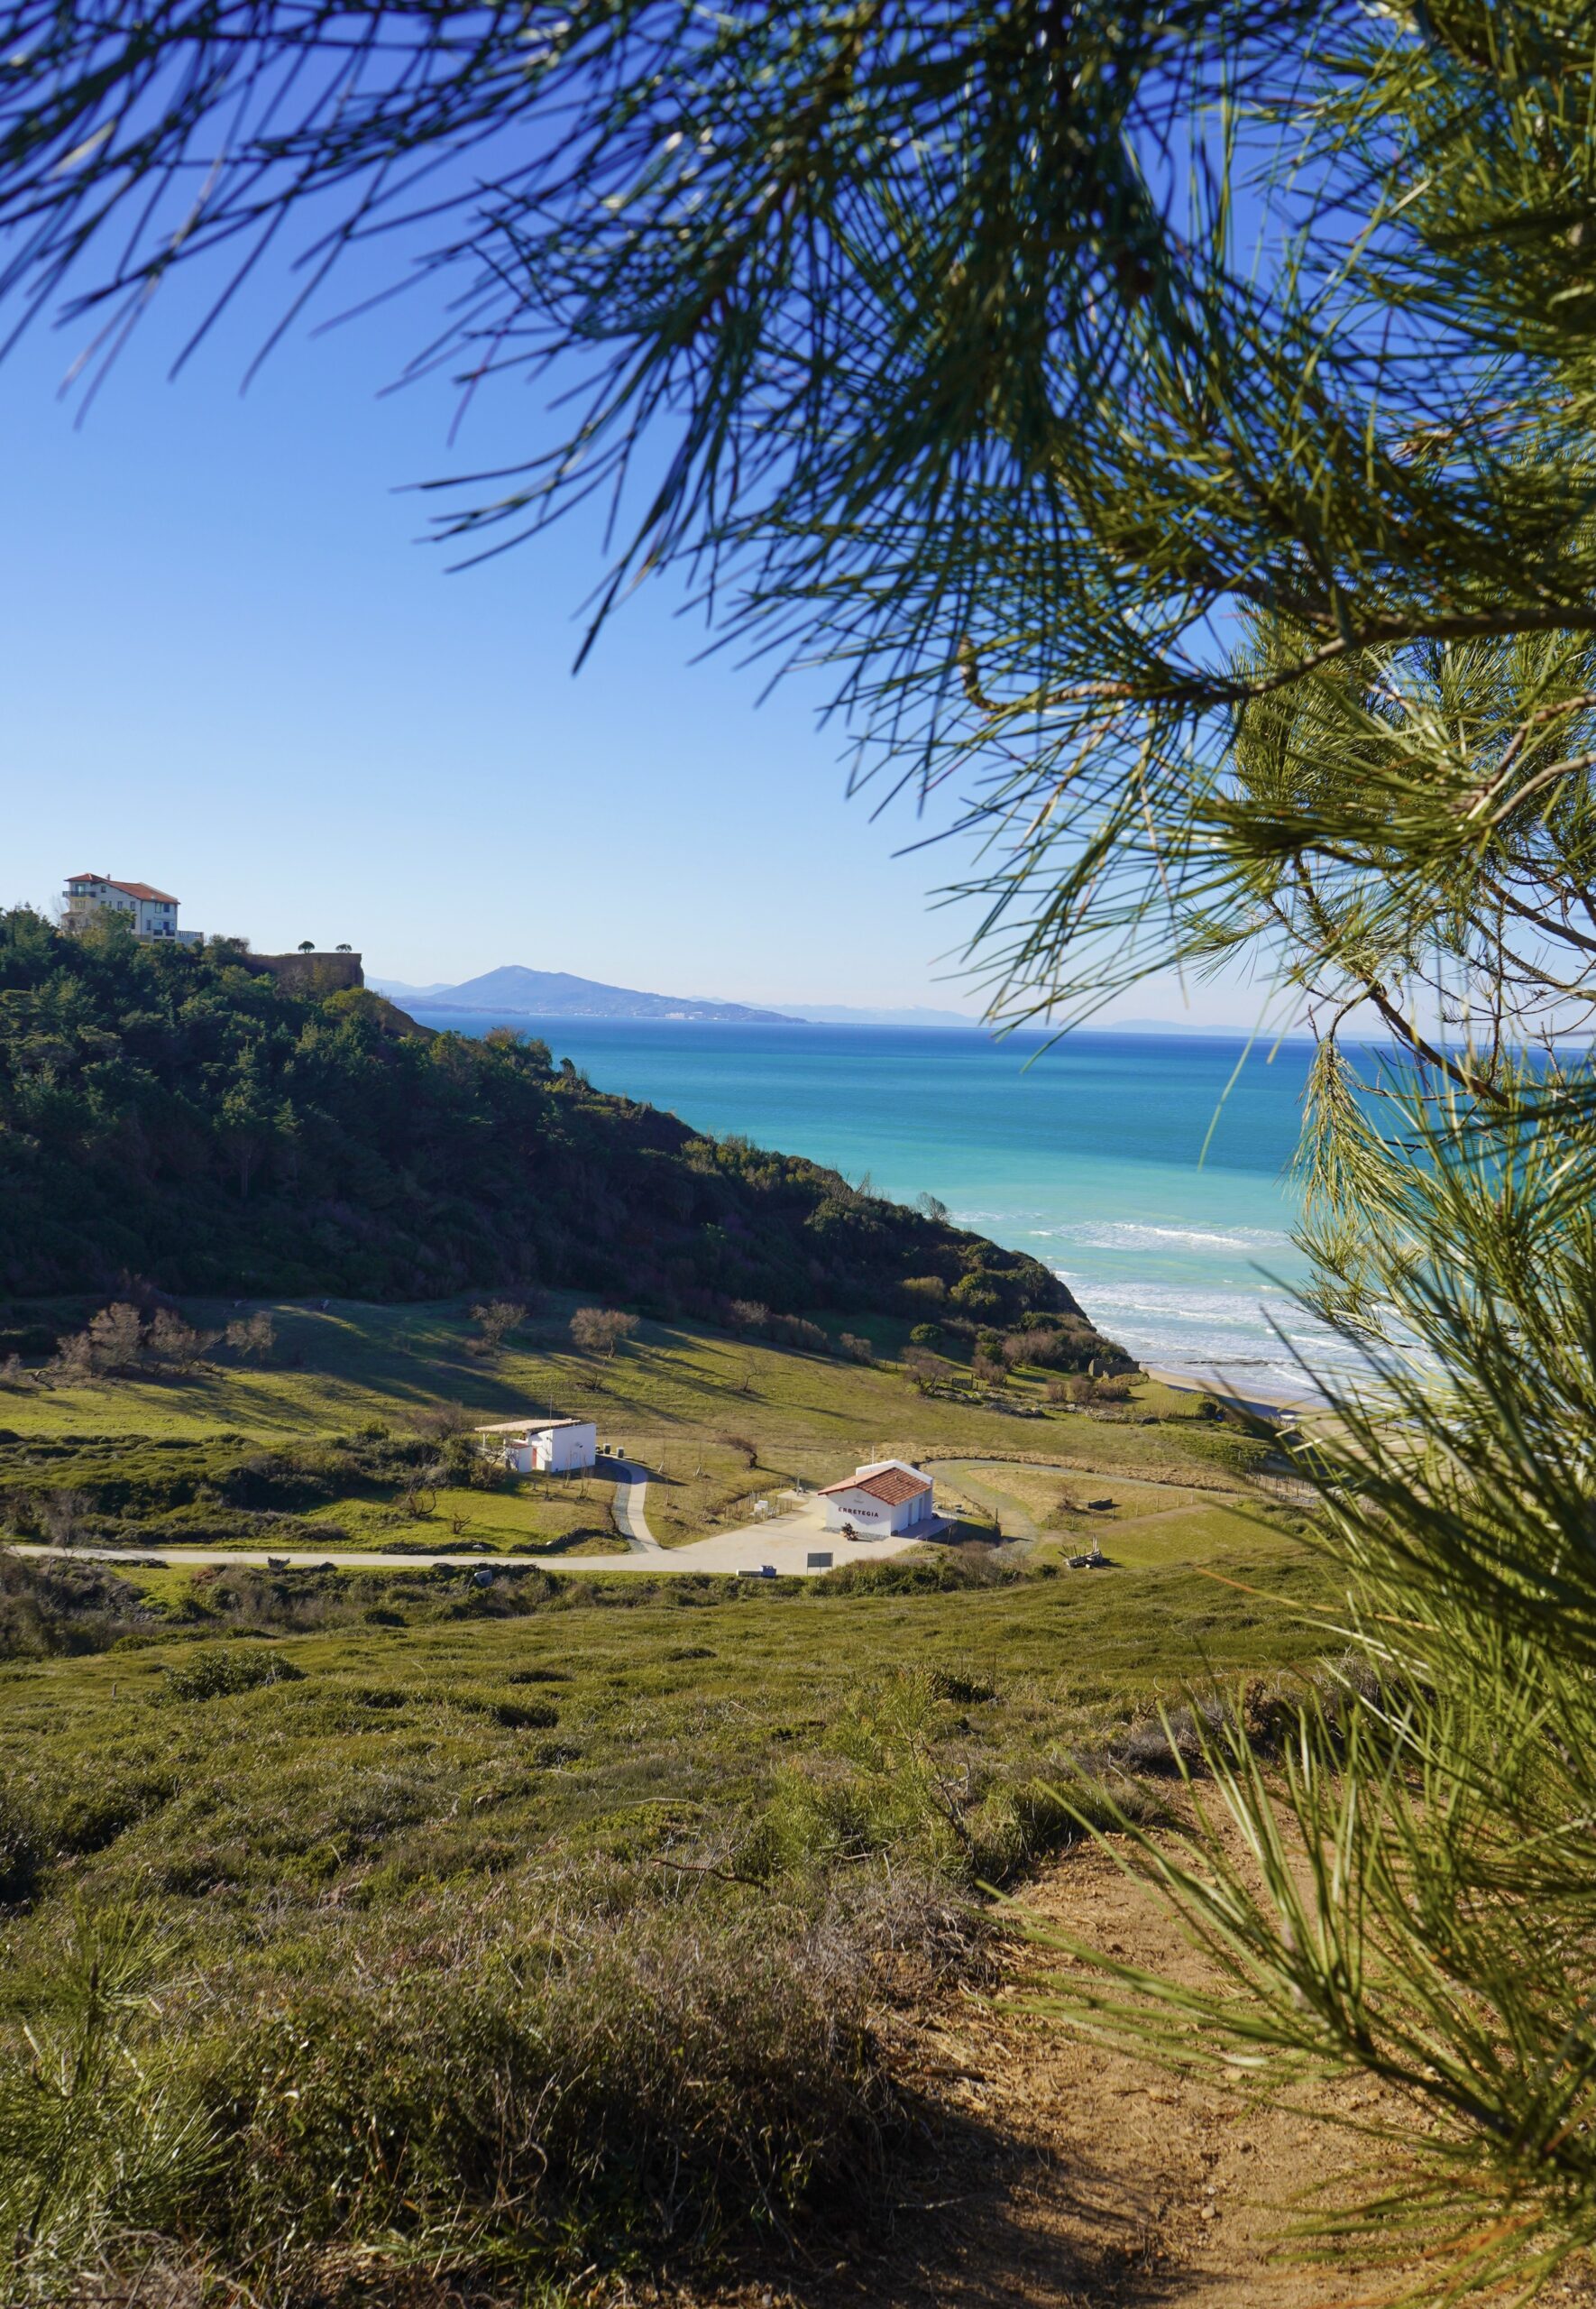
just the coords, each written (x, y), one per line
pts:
(547, 1447)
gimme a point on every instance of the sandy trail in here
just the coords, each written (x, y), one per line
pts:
(1060, 2175)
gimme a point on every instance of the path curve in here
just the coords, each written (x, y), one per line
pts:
(631, 1492)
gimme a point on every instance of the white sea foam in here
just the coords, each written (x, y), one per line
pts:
(1189, 1327)
(1132, 1235)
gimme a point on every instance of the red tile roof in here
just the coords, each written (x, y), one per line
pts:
(128, 889)
(892, 1486)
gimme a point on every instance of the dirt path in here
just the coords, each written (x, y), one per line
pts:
(1059, 2176)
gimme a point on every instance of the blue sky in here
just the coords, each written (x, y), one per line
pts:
(235, 672)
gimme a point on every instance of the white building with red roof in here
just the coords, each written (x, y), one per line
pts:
(885, 1499)
(149, 912)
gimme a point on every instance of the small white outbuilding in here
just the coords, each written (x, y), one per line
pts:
(881, 1500)
(545, 1446)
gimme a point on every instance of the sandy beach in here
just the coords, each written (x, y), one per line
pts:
(1262, 1393)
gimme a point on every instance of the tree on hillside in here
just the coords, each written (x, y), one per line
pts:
(599, 1330)
(253, 1336)
(495, 1319)
(1173, 424)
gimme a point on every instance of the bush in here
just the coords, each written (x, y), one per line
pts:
(965, 1691)
(620, 2087)
(926, 1370)
(856, 1349)
(912, 1575)
(1229, 1447)
(524, 1714)
(495, 1319)
(50, 1607)
(251, 1336)
(218, 1670)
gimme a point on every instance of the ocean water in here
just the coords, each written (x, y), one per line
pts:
(1090, 1155)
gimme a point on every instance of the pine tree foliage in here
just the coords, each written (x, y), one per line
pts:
(1406, 1891)
(1009, 357)
(1171, 424)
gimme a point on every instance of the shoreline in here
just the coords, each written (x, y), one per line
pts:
(1214, 1380)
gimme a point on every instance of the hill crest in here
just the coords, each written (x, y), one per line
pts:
(516, 991)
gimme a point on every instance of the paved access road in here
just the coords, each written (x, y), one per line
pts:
(631, 1493)
(784, 1541)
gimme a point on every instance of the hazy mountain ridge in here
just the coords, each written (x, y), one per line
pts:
(521, 992)
(516, 991)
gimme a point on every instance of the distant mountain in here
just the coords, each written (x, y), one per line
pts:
(516, 992)
(837, 1014)
(398, 991)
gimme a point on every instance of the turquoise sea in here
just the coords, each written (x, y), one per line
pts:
(1089, 1154)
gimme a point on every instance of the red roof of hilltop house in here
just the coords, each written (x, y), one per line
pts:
(128, 889)
(892, 1486)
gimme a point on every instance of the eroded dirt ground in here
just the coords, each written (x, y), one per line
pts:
(1060, 2175)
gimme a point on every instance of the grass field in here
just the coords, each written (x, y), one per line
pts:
(718, 1423)
(379, 1937)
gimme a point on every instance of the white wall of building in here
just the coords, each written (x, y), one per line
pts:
(150, 917)
(879, 1518)
(568, 1450)
(563, 1447)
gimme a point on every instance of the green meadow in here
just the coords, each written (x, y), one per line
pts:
(719, 1423)
(374, 1934)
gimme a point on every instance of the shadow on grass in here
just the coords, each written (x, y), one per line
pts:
(982, 2218)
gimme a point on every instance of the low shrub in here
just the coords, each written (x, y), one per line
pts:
(624, 2087)
(52, 1606)
(524, 1714)
(965, 1691)
(914, 1576)
(215, 1671)
(1229, 1447)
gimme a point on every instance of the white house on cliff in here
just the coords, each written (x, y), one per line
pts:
(881, 1500)
(149, 914)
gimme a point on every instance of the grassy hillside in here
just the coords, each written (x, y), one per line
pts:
(374, 1937)
(377, 1937)
(170, 1119)
(446, 1956)
(322, 1443)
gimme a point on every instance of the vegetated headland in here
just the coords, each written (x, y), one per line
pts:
(420, 1933)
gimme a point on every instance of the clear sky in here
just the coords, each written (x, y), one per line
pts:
(234, 672)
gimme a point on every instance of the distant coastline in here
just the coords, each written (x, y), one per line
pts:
(516, 994)
(1155, 1185)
